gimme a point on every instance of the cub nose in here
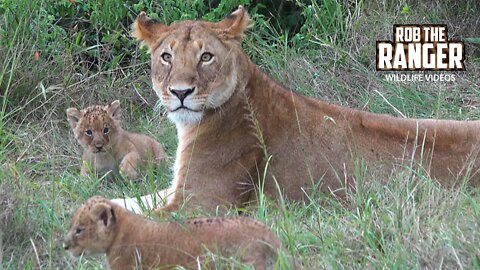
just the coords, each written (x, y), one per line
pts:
(182, 93)
(99, 146)
(66, 246)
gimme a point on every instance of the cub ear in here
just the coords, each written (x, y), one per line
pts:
(73, 116)
(104, 213)
(233, 26)
(114, 110)
(147, 30)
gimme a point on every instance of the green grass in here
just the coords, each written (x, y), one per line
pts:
(410, 222)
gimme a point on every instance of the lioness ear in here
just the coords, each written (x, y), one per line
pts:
(73, 116)
(104, 213)
(234, 25)
(147, 30)
(114, 110)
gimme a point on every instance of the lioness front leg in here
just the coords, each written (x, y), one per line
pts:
(206, 182)
(209, 188)
(128, 165)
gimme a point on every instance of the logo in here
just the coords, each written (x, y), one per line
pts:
(420, 47)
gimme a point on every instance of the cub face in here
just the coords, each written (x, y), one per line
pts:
(95, 126)
(92, 228)
(195, 65)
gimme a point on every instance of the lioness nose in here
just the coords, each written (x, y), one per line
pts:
(66, 246)
(182, 93)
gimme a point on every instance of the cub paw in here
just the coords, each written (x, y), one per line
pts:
(128, 171)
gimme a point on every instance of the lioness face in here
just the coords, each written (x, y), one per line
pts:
(193, 63)
(92, 228)
(192, 71)
(95, 126)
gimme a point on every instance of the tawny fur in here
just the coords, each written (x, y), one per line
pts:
(228, 135)
(109, 148)
(129, 240)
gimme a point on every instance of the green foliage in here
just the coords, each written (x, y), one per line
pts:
(473, 40)
(97, 31)
(324, 20)
(405, 9)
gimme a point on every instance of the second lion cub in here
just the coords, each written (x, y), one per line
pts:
(107, 147)
(132, 242)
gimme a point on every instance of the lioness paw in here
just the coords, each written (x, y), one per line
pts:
(130, 204)
(139, 205)
(165, 211)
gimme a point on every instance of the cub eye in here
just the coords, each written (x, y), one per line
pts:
(78, 231)
(166, 57)
(206, 57)
(106, 130)
(89, 132)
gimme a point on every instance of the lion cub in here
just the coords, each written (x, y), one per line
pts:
(107, 147)
(130, 241)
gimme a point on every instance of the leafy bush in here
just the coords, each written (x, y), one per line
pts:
(95, 32)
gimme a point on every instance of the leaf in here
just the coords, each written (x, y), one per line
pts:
(405, 9)
(44, 91)
(474, 40)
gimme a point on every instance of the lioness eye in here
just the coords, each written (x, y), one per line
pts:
(78, 230)
(206, 57)
(166, 57)
(89, 132)
(106, 130)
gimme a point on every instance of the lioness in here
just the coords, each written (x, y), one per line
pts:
(107, 147)
(234, 123)
(129, 240)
